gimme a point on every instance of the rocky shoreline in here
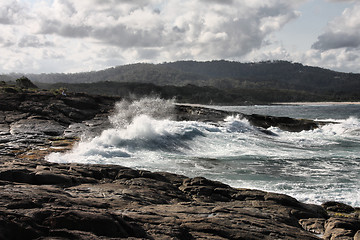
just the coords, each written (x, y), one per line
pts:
(43, 200)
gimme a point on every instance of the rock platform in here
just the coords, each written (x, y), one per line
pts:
(43, 200)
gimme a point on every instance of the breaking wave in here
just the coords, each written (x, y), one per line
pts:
(313, 166)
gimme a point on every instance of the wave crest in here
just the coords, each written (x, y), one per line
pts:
(350, 126)
(126, 111)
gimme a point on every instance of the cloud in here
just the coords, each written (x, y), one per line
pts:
(336, 59)
(11, 12)
(331, 40)
(34, 41)
(218, 1)
(340, 0)
(214, 28)
(69, 35)
(7, 39)
(342, 32)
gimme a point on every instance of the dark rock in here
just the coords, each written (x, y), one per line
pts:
(13, 227)
(194, 113)
(282, 199)
(340, 228)
(122, 202)
(48, 177)
(206, 190)
(17, 175)
(43, 200)
(23, 204)
(62, 109)
(37, 126)
(12, 116)
(100, 224)
(338, 207)
(315, 225)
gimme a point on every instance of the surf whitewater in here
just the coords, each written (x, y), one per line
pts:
(313, 166)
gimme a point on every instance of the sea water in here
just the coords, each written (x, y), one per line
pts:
(313, 166)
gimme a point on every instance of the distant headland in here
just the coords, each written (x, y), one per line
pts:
(212, 82)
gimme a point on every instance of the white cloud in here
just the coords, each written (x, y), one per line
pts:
(340, 1)
(11, 12)
(337, 59)
(342, 32)
(338, 47)
(95, 34)
(34, 41)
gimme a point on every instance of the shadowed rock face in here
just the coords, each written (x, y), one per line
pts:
(42, 200)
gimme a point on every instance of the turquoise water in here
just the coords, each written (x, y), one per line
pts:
(312, 166)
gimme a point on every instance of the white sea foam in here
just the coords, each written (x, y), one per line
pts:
(313, 166)
(348, 127)
(126, 111)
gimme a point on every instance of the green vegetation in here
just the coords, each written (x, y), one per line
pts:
(20, 85)
(221, 82)
(25, 83)
(192, 94)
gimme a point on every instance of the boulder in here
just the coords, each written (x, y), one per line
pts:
(341, 228)
(338, 207)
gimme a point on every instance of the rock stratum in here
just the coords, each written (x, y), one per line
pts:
(43, 200)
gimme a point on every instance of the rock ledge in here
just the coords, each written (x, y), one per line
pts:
(43, 200)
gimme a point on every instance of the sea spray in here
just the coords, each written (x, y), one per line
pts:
(313, 166)
(154, 107)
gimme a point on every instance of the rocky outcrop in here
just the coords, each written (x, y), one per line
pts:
(43, 200)
(28, 119)
(341, 228)
(64, 109)
(187, 112)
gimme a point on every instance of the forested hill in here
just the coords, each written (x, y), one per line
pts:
(220, 74)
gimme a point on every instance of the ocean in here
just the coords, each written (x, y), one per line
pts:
(313, 166)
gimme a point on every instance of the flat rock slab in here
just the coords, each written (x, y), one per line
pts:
(37, 126)
(47, 200)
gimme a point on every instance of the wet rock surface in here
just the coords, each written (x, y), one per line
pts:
(29, 119)
(186, 112)
(43, 200)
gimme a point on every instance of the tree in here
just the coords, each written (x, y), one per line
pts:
(24, 82)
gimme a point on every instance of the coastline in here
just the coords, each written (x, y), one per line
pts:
(317, 103)
(46, 200)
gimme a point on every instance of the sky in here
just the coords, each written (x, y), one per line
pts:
(48, 36)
